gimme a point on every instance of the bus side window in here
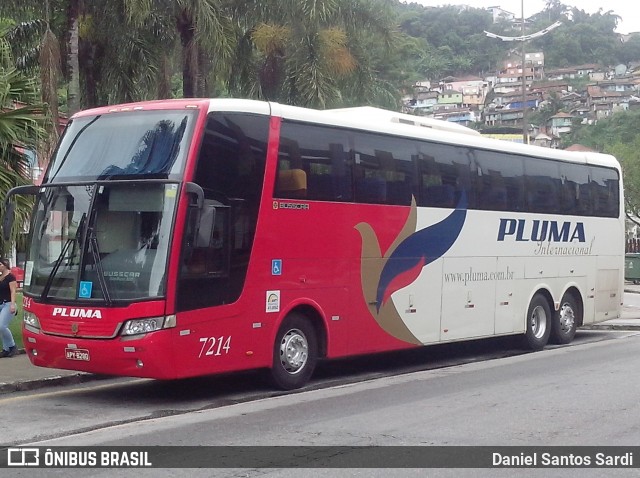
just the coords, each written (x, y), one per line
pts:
(442, 195)
(497, 194)
(292, 184)
(573, 197)
(429, 178)
(314, 163)
(371, 189)
(398, 178)
(291, 179)
(604, 185)
(210, 249)
(445, 175)
(498, 182)
(542, 186)
(383, 169)
(370, 182)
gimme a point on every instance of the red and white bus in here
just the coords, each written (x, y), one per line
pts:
(181, 238)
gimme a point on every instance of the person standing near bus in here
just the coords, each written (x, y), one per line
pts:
(8, 307)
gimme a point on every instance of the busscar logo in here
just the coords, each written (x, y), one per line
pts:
(23, 457)
(290, 205)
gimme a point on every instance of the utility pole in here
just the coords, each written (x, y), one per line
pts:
(525, 130)
(524, 38)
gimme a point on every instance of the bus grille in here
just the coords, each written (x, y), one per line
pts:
(90, 329)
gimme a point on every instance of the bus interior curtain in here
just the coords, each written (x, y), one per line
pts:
(158, 150)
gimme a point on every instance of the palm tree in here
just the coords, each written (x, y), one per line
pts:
(120, 62)
(65, 22)
(105, 59)
(38, 49)
(309, 52)
(20, 128)
(200, 26)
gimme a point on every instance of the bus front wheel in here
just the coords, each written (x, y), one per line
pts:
(538, 323)
(295, 353)
(565, 322)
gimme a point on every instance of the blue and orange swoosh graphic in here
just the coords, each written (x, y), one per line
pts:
(418, 250)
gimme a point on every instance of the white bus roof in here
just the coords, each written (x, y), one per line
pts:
(378, 114)
(378, 120)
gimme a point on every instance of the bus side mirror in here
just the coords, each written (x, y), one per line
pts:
(196, 201)
(9, 216)
(195, 191)
(206, 222)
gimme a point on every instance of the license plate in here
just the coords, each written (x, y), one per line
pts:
(77, 354)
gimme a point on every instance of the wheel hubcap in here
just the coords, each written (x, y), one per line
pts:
(567, 318)
(538, 322)
(294, 351)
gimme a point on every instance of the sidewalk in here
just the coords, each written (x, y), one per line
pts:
(17, 373)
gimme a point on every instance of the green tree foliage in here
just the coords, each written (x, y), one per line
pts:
(132, 68)
(20, 127)
(454, 38)
(311, 52)
(630, 50)
(627, 154)
(204, 30)
(583, 38)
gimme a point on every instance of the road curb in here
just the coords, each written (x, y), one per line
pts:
(610, 327)
(52, 381)
(28, 385)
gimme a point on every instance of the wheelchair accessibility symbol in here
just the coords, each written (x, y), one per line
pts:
(85, 288)
(276, 267)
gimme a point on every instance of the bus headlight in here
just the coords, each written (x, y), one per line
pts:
(150, 324)
(31, 320)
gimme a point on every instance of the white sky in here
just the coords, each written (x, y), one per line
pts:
(628, 10)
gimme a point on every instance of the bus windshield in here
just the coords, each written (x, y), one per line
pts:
(149, 144)
(104, 242)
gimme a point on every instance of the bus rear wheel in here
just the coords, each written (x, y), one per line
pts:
(565, 322)
(538, 323)
(295, 353)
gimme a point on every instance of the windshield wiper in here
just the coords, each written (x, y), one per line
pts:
(56, 266)
(97, 261)
(52, 175)
(63, 253)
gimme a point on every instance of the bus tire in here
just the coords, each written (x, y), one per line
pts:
(565, 321)
(538, 327)
(295, 353)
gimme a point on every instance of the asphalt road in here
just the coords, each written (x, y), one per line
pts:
(583, 394)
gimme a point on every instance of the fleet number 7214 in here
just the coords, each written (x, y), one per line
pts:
(215, 346)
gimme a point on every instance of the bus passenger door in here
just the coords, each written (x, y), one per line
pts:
(468, 297)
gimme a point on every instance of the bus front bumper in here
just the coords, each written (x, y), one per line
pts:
(147, 355)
